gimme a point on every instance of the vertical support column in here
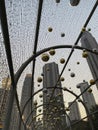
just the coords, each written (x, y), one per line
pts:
(9, 110)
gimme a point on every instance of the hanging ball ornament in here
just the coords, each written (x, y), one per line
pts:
(62, 34)
(50, 29)
(62, 60)
(69, 69)
(84, 50)
(62, 79)
(39, 79)
(40, 95)
(42, 74)
(57, 1)
(94, 50)
(85, 54)
(89, 29)
(79, 100)
(39, 110)
(89, 90)
(35, 102)
(39, 119)
(74, 2)
(78, 63)
(92, 82)
(72, 74)
(45, 57)
(67, 109)
(52, 52)
(38, 85)
(64, 88)
(83, 29)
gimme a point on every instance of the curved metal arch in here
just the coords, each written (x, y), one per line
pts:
(49, 88)
(91, 124)
(41, 90)
(24, 65)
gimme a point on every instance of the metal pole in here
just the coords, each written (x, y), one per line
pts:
(9, 110)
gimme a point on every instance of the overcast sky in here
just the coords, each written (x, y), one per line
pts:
(62, 18)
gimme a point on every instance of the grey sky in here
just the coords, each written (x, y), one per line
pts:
(63, 18)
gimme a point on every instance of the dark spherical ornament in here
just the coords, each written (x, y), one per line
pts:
(69, 69)
(50, 29)
(84, 81)
(45, 57)
(35, 102)
(52, 52)
(40, 95)
(84, 50)
(92, 82)
(62, 79)
(39, 110)
(94, 50)
(85, 54)
(79, 100)
(83, 29)
(42, 74)
(38, 119)
(78, 63)
(89, 29)
(72, 75)
(62, 34)
(78, 86)
(89, 90)
(38, 85)
(62, 60)
(39, 79)
(74, 2)
(57, 1)
(64, 88)
(67, 109)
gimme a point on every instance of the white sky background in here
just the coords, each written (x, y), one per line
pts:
(63, 18)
